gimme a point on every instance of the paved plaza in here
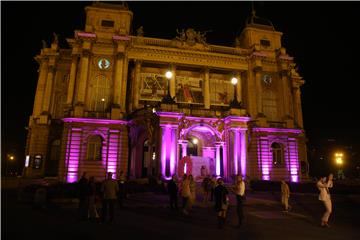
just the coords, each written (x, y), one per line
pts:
(147, 216)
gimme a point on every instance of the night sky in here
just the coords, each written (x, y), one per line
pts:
(321, 36)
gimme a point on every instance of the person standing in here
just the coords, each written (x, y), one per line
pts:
(323, 185)
(93, 213)
(240, 196)
(83, 194)
(122, 192)
(185, 193)
(192, 197)
(221, 201)
(285, 194)
(173, 192)
(206, 187)
(109, 188)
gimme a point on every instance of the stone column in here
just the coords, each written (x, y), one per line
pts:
(236, 149)
(48, 90)
(118, 77)
(83, 77)
(243, 152)
(40, 88)
(286, 89)
(71, 86)
(206, 89)
(136, 92)
(217, 161)
(297, 106)
(119, 64)
(172, 81)
(238, 88)
(258, 91)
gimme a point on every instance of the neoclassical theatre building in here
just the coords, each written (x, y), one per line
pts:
(116, 100)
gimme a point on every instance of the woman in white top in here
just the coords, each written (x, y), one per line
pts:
(324, 196)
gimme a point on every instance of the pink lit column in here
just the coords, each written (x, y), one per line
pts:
(113, 152)
(168, 150)
(236, 149)
(293, 160)
(217, 164)
(73, 154)
(243, 153)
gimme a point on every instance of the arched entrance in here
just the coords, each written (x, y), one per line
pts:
(201, 148)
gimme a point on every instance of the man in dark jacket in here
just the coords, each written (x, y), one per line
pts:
(173, 192)
(221, 201)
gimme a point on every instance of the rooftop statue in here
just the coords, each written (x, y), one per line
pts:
(140, 32)
(56, 38)
(191, 37)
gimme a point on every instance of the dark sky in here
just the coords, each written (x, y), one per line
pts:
(322, 36)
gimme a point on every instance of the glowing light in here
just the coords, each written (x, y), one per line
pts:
(27, 161)
(168, 74)
(185, 168)
(339, 158)
(103, 99)
(195, 141)
(154, 110)
(234, 81)
(11, 157)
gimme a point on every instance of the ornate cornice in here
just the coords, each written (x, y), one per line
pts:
(188, 57)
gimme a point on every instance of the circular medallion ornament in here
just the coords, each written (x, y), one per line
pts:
(267, 79)
(103, 63)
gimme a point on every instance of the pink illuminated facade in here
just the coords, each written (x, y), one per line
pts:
(106, 105)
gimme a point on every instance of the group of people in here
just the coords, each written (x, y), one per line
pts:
(211, 187)
(323, 184)
(92, 199)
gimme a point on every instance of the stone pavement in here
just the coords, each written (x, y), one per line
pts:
(146, 215)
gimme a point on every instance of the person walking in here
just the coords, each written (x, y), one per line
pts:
(173, 192)
(240, 197)
(109, 188)
(185, 193)
(323, 185)
(285, 194)
(83, 194)
(221, 201)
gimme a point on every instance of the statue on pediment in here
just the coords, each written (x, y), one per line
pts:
(44, 43)
(294, 70)
(56, 38)
(140, 32)
(191, 37)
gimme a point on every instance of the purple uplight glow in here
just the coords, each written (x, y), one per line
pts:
(236, 150)
(72, 154)
(293, 160)
(217, 159)
(94, 121)
(264, 156)
(243, 153)
(113, 152)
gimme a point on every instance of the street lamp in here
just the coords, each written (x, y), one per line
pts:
(339, 162)
(234, 103)
(168, 99)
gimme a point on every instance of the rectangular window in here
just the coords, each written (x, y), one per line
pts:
(265, 43)
(107, 23)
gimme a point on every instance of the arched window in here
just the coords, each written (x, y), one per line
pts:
(270, 105)
(94, 147)
(277, 153)
(100, 93)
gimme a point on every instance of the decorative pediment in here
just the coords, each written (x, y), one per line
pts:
(191, 39)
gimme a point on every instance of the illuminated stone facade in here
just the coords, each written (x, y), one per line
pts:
(105, 104)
